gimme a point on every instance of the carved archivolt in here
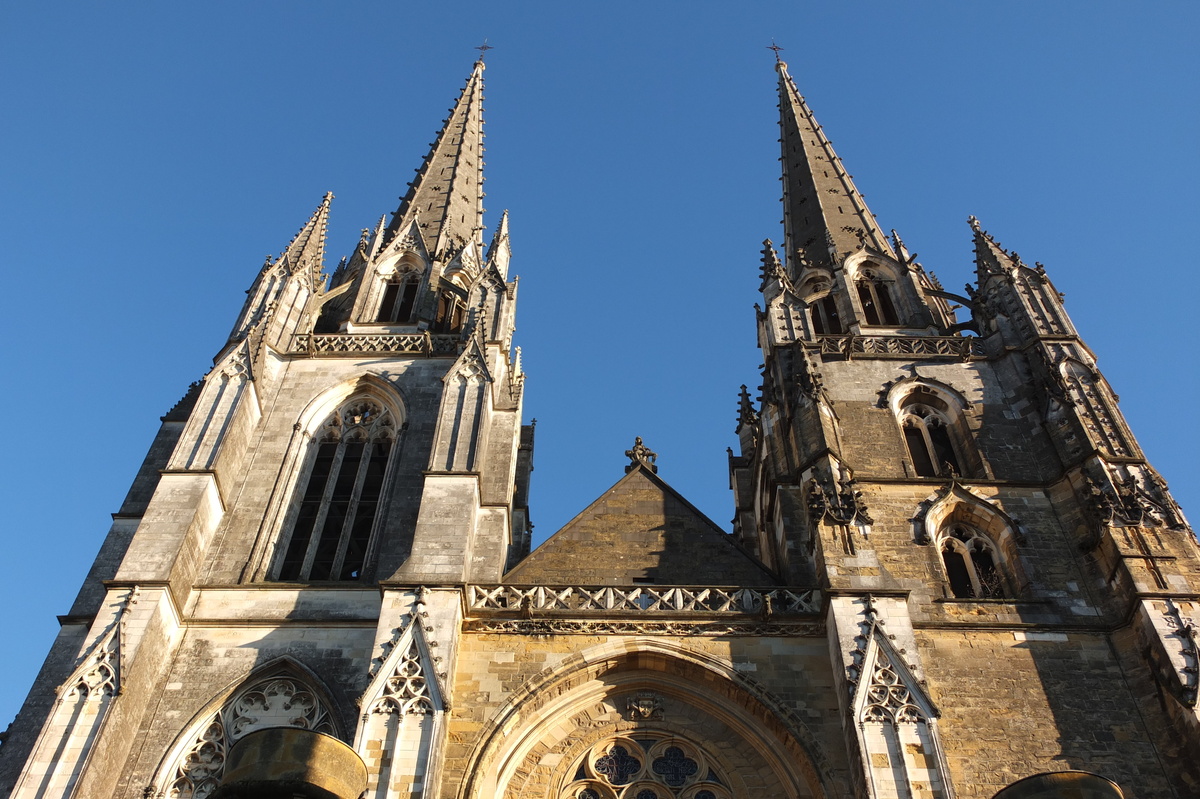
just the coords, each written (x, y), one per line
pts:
(627, 704)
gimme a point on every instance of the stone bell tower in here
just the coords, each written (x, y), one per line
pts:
(994, 547)
(355, 438)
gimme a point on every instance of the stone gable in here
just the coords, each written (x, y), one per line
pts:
(640, 530)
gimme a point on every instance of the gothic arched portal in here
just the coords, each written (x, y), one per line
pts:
(644, 718)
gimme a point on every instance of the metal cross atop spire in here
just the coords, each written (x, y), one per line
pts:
(776, 48)
(483, 48)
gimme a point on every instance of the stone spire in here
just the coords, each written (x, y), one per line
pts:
(823, 211)
(306, 251)
(990, 257)
(447, 194)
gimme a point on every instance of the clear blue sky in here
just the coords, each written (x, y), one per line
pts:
(154, 152)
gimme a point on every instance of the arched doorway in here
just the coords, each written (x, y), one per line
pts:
(645, 719)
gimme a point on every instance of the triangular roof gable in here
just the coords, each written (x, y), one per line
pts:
(640, 530)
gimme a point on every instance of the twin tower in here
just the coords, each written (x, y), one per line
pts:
(952, 572)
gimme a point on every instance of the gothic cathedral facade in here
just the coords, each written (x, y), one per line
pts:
(952, 572)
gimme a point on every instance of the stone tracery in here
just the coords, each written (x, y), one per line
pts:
(649, 766)
(278, 700)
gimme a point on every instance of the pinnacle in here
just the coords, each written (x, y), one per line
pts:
(308, 245)
(990, 257)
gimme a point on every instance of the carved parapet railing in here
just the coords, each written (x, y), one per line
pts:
(959, 347)
(639, 600)
(427, 344)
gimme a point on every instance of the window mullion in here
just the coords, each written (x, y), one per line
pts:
(352, 509)
(930, 449)
(972, 570)
(314, 542)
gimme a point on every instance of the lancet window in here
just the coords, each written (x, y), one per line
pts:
(399, 298)
(928, 440)
(875, 294)
(927, 425)
(451, 313)
(972, 563)
(337, 506)
(645, 767)
(825, 317)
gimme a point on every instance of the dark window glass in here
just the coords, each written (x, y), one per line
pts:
(918, 450)
(389, 303)
(986, 573)
(833, 322)
(310, 509)
(407, 300)
(942, 448)
(339, 504)
(364, 517)
(868, 303)
(956, 571)
(886, 308)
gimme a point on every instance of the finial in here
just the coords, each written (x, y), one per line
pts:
(974, 223)
(641, 455)
(483, 48)
(776, 48)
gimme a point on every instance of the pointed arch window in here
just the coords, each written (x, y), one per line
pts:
(451, 313)
(825, 316)
(195, 769)
(972, 564)
(339, 503)
(928, 439)
(399, 298)
(875, 294)
(927, 421)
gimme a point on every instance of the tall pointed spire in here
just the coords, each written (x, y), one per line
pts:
(822, 208)
(448, 190)
(307, 248)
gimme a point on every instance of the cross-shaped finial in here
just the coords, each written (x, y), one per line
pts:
(483, 48)
(776, 48)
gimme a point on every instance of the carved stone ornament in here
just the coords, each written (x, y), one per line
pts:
(884, 687)
(641, 455)
(843, 507)
(809, 379)
(1183, 629)
(644, 706)
(676, 628)
(1128, 502)
(277, 701)
(406, 689)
